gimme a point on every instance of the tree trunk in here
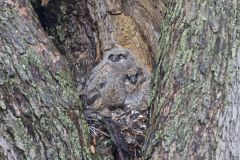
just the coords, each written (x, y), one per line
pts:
(195, 99)
(192, 49)
(40, 112)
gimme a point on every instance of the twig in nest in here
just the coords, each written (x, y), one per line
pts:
(94, 128)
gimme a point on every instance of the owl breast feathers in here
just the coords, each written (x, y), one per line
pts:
(117, 82)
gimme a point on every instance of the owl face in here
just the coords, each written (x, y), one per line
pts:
(134, 76)
(119, 58)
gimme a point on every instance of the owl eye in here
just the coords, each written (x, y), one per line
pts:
(133, 79)
(121, 56)
(110, 57)
(102, 84)
(126, 78)
(139, 72)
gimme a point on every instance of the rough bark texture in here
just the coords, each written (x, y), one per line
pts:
(40, 116)
(195, 98)
(192, 48)
(70, 26)
(40, 112)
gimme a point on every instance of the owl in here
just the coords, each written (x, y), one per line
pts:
(117, 59)
(105, 87)
(136, 83)
(134, 77)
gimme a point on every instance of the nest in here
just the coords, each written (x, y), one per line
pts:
(121, 134)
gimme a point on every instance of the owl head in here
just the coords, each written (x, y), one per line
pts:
(134, 76)
(119, 58)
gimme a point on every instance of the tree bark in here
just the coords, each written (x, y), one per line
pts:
(192, 49)
(40, 112)
(195, 98)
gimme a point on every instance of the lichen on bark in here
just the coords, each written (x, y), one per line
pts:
(189, 84)
(41, 114)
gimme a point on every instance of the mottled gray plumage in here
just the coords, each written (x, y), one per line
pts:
(116, 82)
(117, 59)
(137, 88)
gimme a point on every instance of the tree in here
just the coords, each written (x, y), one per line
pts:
(195, 102)
(192, 49)
(41, 115)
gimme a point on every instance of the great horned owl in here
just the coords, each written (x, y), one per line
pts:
(108, 94)
(137, 88)
(118, 88)
(134, 77)
(118, 59)
(105, 87)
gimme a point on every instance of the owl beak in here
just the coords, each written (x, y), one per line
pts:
(133, 80)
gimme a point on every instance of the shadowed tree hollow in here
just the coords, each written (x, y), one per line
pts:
(49, 48)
